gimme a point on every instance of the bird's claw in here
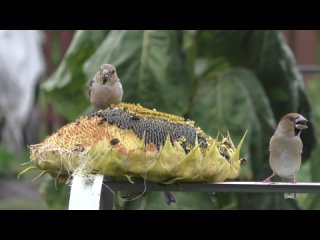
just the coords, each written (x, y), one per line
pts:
(266, 181)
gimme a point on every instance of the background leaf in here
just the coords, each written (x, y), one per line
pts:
(67, 87)
(232, 102)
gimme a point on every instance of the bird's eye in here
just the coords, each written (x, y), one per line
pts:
(292, 119)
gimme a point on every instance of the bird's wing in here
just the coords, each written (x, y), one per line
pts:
(90, 85)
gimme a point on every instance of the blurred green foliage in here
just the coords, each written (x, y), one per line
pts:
(56, 195)
(224, 80)
(310, 169)
(11, 163)
(7, 162)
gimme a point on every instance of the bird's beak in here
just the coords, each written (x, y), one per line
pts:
(106, 73)
(301, 123)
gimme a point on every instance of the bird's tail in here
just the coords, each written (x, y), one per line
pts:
(289, 196)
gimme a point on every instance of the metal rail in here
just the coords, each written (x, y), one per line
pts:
(253, 187)
(106, 201)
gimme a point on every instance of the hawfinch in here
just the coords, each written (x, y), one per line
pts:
(105, 88)
(286, 147)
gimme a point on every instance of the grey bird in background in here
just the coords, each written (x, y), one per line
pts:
(105, 88)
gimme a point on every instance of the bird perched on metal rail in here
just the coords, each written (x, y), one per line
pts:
(286, 147)
(105, 88)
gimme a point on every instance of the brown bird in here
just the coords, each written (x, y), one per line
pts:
(286, 147)
(105, 88)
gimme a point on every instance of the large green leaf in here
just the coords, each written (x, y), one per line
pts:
(67, 87)
(233, 102)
